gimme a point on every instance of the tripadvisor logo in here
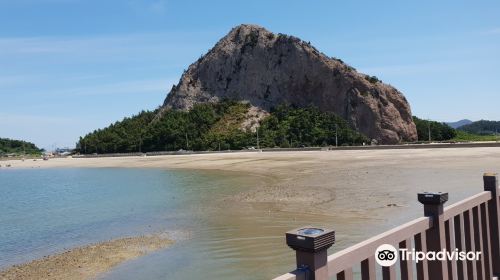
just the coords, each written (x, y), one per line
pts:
(387, 255)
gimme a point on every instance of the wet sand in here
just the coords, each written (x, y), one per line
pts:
(323, 178)
(88, 261)
(364, 192)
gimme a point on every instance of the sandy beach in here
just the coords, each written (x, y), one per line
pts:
(360, 187)
(287, 174)
(88, 261)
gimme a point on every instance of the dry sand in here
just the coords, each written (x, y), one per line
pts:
(363, 186)
(88, 261)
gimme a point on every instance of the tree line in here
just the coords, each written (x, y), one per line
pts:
(218, 127)
(18, 147)
(438, 131)
(482, 127)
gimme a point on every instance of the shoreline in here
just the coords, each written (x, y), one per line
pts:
(327, 175)
(89, 261)
(288, 168)
(383, 183)
(254, 162)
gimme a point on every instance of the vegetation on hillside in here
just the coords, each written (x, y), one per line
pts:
(477, 131)
(372, 79)
(463, 136)
(439, 131)
(297, 127)
(459, 123)
(217, 126)
(18, 147)
(482, 127)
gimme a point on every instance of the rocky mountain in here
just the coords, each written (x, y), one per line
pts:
(459, 123)
(265, 69)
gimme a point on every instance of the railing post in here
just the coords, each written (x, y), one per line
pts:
(435, 236)
(491, 185)
(310, 245)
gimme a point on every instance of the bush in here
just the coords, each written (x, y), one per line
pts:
(372, 79)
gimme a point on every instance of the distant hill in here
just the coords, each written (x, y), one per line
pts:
(482, 127)
(18, 147)
(459, 123)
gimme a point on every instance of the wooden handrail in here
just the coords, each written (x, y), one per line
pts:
(294, 275)
(355, 254)
(471, 225)
(466, 204)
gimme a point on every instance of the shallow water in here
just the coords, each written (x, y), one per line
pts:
(44, 211)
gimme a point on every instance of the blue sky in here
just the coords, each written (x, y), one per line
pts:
(68, 67)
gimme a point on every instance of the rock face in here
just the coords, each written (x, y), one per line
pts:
(254, 65)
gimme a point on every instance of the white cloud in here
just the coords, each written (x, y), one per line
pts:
(493, 31)
(15, 79)
(26, 119)
(61, 45)
(158, 86)
(107, 47)
(139, 86)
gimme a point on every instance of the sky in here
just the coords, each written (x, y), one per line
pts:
(68, 67)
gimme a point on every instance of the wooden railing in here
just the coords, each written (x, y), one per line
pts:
(471, 225)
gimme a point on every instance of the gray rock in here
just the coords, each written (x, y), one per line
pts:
(254, 65)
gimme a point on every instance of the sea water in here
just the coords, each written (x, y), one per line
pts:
(46, 211)
(43, 211)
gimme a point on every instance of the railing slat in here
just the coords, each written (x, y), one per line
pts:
(389, 273)
(422, 267)
(466, 204)
(485, 222)
(460, 245)
(368, 269)
(344, 259)
(450, 246)
(470, 244)
(345, 275)
(405, 265)
(478, 238)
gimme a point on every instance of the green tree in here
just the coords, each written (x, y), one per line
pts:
(439, 131)
(214, 126)
(18, 147)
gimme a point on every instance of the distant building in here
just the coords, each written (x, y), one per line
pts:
(63, 152)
